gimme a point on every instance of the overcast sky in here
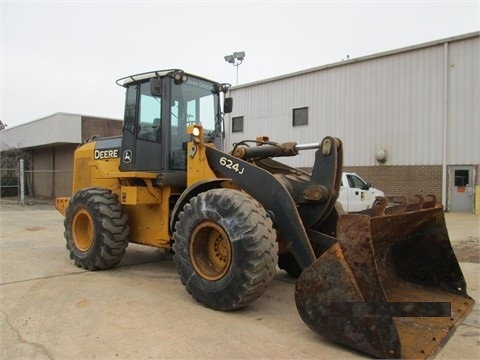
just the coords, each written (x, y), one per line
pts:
(65, 56)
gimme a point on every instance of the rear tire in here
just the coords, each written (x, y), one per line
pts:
(96, 229)
(225, 249)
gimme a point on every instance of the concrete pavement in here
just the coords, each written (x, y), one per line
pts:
(50, 309)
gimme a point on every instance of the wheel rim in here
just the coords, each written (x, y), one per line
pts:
(210, 250)
(82, 230)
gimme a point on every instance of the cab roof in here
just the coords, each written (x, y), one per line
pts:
(152, 74)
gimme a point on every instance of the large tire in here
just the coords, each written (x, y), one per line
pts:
(96, 229)
(225, 249)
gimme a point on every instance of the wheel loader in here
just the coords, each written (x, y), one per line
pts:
(384, 281)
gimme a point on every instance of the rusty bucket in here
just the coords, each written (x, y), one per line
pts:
(390, 287)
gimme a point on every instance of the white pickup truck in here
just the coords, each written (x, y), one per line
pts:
(356, 194)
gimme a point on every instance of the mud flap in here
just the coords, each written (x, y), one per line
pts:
(390, 287)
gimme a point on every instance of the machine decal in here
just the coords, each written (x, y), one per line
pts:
(127, 156)
(106, 154)
(229, 164)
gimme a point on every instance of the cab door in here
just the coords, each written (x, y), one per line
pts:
(357, 193)
(142, 131)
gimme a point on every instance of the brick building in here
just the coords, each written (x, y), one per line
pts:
(48, 145)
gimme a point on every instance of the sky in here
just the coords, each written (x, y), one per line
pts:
(65, 56)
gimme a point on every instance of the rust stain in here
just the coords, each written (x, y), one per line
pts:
(35, 228)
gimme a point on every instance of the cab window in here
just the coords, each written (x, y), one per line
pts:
(356, 182)
(149, 117)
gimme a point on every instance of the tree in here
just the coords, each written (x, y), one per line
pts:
(9, 159)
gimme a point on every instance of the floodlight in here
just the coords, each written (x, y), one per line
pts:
(239, 55)
(236, 59)
(230, 59)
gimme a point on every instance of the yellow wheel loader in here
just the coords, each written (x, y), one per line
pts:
(385, 282)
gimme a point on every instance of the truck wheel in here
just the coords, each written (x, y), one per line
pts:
(96, 229)
(225, 249)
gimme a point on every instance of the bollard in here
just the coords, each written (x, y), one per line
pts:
(21, 175)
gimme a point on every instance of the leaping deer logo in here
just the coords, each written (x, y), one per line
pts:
(127, 156)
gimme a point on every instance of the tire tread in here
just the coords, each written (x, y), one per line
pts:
(247, 224)
(111, 229)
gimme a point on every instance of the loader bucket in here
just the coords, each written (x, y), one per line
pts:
(390, 287)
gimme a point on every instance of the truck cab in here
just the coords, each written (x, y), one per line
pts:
(356, 194)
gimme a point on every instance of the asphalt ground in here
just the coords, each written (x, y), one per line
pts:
(50, 309)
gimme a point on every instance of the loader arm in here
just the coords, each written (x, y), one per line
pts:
(272, 195)
(317, 194)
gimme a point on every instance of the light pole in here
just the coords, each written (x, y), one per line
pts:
(236, 59)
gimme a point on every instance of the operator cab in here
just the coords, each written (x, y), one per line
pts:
(159, 106)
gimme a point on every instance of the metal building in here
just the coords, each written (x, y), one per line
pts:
(409, 119)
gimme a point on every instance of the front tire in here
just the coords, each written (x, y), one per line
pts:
(96, 229)
(225, 249)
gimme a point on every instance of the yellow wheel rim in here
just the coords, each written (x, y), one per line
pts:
(82, 230)
(210, 250)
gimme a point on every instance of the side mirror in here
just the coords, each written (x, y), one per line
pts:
(156, 87)
(228, 105)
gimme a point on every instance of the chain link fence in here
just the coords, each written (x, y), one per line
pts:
(21, 183)
(8, 182)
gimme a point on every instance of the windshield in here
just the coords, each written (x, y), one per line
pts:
(192, 102)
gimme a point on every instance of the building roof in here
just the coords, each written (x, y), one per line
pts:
(363, 58)
(58, 128)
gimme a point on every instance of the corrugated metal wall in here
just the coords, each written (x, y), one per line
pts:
(464, 102)
(394, 101)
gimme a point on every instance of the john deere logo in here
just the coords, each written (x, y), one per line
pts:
(127, 156)
(105, 154)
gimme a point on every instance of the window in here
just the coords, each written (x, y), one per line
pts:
(237, 124)
(149, 115)
(192, 102)
(461, 177)
(300, 116)
(356, 182)
(130, 106)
